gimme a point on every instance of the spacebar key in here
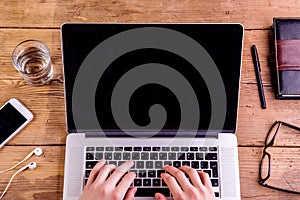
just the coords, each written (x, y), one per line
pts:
(150, 192)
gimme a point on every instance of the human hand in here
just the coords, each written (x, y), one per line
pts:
(113, 188)
(199, 188)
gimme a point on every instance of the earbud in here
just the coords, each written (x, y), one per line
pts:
(31, 165)
(37, 151)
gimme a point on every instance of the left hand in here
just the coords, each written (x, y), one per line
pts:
(115, 187)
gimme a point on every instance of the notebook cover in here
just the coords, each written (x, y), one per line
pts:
(287, 57)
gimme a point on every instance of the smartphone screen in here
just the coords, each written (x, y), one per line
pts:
(10, 120)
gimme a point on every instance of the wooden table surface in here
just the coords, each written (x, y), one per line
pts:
(29, 19)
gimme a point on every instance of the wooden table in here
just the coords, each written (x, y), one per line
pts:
(21, 20)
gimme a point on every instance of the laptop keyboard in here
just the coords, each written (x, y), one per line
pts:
(149, 162)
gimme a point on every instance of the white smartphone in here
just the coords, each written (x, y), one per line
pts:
(13, 117)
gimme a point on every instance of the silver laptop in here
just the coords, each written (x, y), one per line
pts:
(159, 94)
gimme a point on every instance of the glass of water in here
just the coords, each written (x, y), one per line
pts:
(32, 59)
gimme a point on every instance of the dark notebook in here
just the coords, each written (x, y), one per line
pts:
(287, 56)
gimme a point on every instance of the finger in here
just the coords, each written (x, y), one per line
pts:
(94, 172)
(193, 174)
(125, 183)
(103, 174)
(119, 172)
(130, 194)
(172, 184)
(180, 177)
(160, 196)
(205, 180)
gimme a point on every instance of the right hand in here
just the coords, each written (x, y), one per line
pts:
(199, 188)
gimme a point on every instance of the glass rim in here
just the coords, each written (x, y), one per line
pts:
(28, 41)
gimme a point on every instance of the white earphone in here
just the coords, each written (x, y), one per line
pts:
(32, 165)
(37, 151)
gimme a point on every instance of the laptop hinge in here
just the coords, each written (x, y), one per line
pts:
(94, 134)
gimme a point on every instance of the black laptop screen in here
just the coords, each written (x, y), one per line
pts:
(162, 77)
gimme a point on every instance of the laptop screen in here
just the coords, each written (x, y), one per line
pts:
(161, 77)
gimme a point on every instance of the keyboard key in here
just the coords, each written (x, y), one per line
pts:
(158, 165)
(184, 149)
(156, 182)
(208, 172)
(214, 182)
(199, 156)
(163, 183)
(144, 156)
(98, 156)
(126, 156)
(127, 148)
(87, 173)
(90, 148)
(155, 148)
(99, 148)
(214, 167)
(163, 156)
(174, 148)
(181, 156)
(153, 156)
(202, 148)
(186, 163)
(146, 182)
(167, 162)
(193, 148)
(142, 174)
(135, 156)
(211, 156)
(108, 156)
(151, 173)
(140, 165)
(195, 164)
(165, 148)
(190, 156)
(90, 164)
(109, 148)
(217, 194)
(213, 149)
(137, 148)
(146, 148)
(204, 165)
(149, 165)
(117, 156)
(172, 156)
(118, 148)
(159, 172)
(137, 182)
(85, 181)
(176, 164)
(113, 162)
(89, 156)
(150, 192)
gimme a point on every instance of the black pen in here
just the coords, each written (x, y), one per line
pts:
(258, 77)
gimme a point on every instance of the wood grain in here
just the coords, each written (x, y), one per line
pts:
(51, 13)
(29, 19)
(44, 182)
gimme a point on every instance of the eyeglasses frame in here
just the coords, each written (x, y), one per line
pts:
(262, 180)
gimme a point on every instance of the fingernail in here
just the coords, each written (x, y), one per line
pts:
(102, 161)
(157, 197)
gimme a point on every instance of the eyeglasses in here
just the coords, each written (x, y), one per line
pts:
(266, 157)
